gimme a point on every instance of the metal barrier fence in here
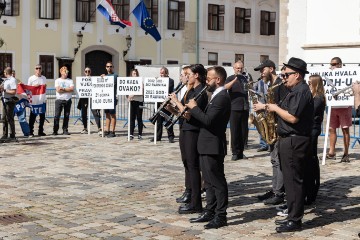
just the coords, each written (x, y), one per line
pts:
(122, 114)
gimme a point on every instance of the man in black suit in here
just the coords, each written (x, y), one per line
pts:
(212, 148)
(164, 72)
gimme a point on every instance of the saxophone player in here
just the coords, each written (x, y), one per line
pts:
(276, 194)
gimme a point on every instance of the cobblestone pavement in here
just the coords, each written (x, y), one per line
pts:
(85, 187)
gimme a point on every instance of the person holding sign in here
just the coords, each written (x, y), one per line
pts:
(111, 113)
(340, 117)
(36, 80)
(211, 146)
(294, 125)
(83, 107)
(189, 134)
(64, 88)
(164, 73)
(136, 111)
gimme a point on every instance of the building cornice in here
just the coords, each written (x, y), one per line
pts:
(331, 45)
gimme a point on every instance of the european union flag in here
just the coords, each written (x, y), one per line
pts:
(144, 20)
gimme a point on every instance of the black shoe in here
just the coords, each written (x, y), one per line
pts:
(187, 209)
(205, 216)
(171, 140)
(236, 157)
(281, 221)
(262, 149)
(267, 195)
(66, 132)
(152, 140)
(290, 226)
(275, 200)
(55, 133)
(217, 222)
(4, 137)
(41, 134)
(111, 135)
(186, 195)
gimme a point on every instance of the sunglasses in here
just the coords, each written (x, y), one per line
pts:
(87, 71)
(286, 75)
(38, 68)
(334, 64)
(109, 66)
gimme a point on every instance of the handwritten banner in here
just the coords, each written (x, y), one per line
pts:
(84, 87)
(129, 86)
(103, 92)
(156, 89)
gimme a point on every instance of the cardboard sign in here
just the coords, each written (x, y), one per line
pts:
(129, 86)
(103, 92)
(83, 87)
(156, 89)
(335, 80)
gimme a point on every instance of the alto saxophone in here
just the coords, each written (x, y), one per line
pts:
(265, 122)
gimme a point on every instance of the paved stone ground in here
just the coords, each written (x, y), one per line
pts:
(85, 187)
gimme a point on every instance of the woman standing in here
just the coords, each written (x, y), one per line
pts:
(189, 133)
(312, 173)
(136, 110)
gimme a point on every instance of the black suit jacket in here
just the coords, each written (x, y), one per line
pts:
(214, 120)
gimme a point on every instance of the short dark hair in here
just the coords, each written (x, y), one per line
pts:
(135, 70)
(220, 72)
(200, 70)
(337, 59)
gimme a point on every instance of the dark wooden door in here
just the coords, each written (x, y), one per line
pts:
(96, 60)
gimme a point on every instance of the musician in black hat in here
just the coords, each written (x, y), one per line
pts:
(295, 118)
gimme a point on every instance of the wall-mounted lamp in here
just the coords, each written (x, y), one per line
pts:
(128, 45)
(79, 36)
(173, 34)
(2, 7)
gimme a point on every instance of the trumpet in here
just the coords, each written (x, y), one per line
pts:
(160, 111)
(349, 90)
(171, 121)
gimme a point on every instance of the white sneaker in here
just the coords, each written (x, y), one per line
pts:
(84, 131)
(283, 213)
(100, 132)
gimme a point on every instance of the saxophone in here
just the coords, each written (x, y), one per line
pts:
(265, 122)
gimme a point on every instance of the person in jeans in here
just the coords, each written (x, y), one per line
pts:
(36, 80)
(64, 88)
(83, 107)
(9, 91)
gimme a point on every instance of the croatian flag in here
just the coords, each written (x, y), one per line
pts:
(36, 96)
(107, 9)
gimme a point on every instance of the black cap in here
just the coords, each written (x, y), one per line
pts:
(266, 63)
(297, 64)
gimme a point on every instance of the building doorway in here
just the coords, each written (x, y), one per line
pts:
(97, 60)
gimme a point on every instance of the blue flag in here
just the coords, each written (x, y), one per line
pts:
(144, 20)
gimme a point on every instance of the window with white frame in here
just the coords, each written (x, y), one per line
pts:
(85, 10)
(49, 9)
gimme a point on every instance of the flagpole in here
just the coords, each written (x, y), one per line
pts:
(83, 27)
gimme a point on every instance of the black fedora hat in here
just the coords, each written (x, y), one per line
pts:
(297, 64)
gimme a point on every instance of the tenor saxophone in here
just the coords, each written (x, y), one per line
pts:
(265, 122)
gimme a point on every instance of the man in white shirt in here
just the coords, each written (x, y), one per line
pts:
(64, 88)
(9, 91)
(36, 80)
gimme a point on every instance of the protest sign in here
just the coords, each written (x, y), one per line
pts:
(83, 87)
(103, 92)
(156, 89)
(129, 86)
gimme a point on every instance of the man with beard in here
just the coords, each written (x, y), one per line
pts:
(211, 146)
(268, 74)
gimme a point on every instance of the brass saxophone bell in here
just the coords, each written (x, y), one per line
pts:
(251, 118)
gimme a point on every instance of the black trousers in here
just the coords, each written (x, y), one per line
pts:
(159, 126)
(8, 118)
(190, 158)
(84, 115)
(136, 113)
(312, 170)
(294, 151)
(239, 129)
(59, 106)
(212, 167)
(32, 119)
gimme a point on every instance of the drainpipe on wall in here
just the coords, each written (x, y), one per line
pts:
(197, 30)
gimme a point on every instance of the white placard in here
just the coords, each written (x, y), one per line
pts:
(129, 86)
(156, 89)
(83, 87)
(103, 92)
(341, 78)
